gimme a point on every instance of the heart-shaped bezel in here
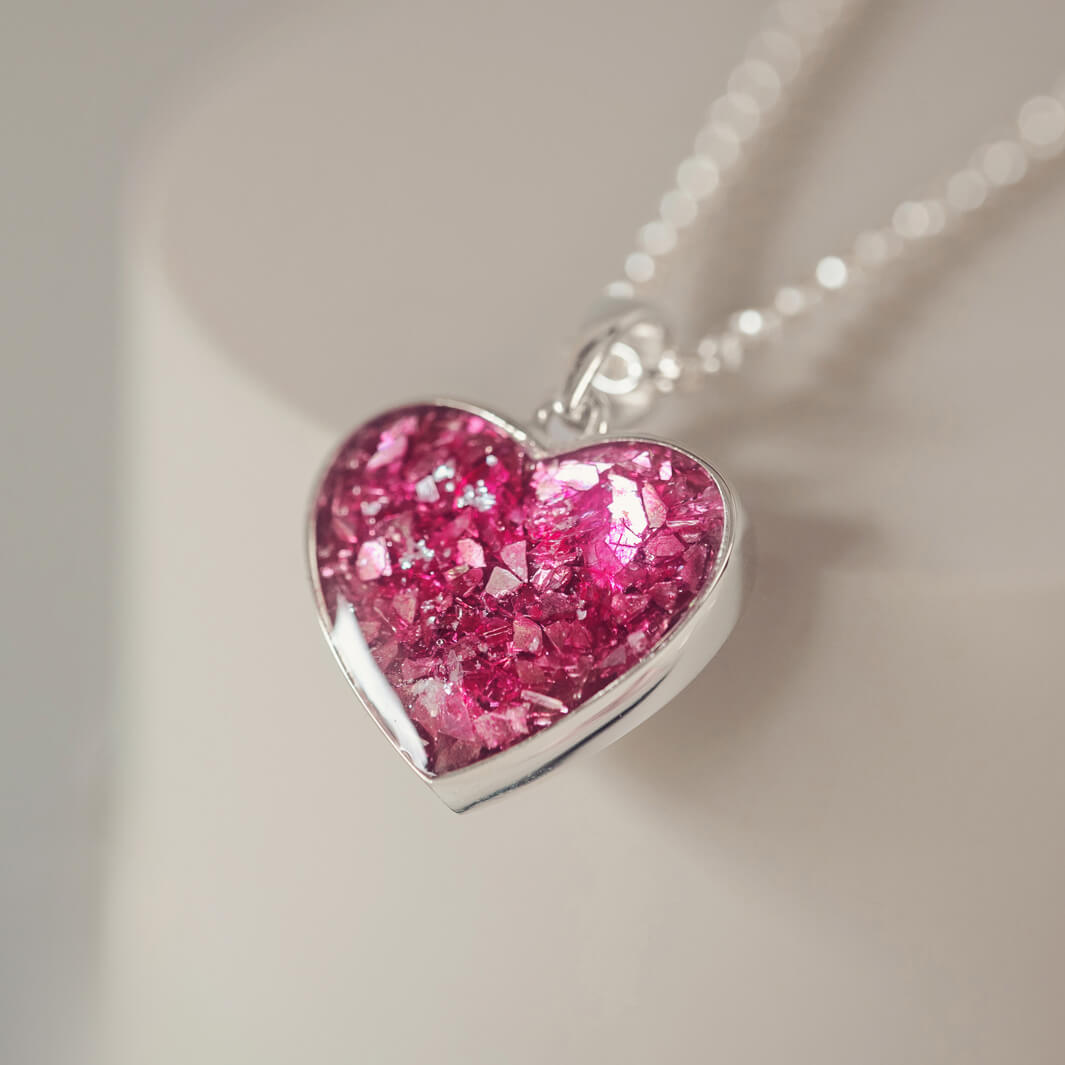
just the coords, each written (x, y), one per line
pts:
(628, 700)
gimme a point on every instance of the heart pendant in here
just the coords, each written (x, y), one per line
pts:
(497, 607)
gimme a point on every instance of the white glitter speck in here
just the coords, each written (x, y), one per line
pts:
(426, 490)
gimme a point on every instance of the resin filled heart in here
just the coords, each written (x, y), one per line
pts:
(495, 590)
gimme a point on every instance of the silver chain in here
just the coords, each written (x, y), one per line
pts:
(792, 34)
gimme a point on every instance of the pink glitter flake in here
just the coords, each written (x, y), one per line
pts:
(527, 636)
(498, 592)
(372, 561)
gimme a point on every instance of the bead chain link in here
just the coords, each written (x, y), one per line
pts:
(793, 32)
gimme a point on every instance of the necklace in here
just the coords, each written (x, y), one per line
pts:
(501, 596)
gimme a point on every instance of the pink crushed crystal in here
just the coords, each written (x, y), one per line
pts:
(497, 592)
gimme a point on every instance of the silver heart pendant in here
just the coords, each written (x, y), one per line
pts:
(497, 606)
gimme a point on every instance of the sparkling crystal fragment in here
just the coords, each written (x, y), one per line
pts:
(501, 582)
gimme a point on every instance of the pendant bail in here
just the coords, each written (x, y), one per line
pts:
(613, 371)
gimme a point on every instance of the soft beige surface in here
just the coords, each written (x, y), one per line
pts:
(843, 843)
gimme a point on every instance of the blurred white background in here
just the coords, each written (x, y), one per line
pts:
(77, 84)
